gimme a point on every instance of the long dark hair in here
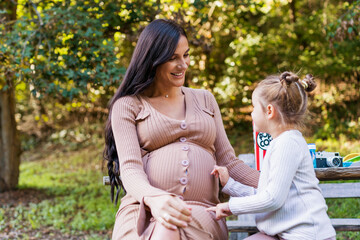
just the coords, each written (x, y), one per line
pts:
(156, 45)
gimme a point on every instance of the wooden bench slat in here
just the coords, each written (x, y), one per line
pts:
(106, 180)
(340, 173)
(346, 224)
(242, 226)
(340, 190)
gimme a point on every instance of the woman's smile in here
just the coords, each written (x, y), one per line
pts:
(178, 75)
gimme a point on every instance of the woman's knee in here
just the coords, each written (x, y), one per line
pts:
(160, 232)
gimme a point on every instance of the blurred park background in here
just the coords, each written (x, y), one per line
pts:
(62, 60)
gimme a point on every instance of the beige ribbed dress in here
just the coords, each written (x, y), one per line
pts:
(160, 155)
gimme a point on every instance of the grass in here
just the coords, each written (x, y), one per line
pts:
(74, 201)
(344, 208)
(71, 202)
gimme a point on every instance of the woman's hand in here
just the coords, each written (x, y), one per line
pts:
(169, 210)
(221, 172)
(222, 210)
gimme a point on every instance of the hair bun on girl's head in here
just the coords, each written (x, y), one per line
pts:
(308, 83)
(288, 78)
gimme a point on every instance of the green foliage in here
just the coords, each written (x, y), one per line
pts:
(70, 49)
(63, 50)
(346, 28)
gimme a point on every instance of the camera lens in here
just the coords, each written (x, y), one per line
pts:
(333, 162)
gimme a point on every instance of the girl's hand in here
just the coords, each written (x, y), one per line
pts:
(222, 210)
(221, 172)
(170, 211)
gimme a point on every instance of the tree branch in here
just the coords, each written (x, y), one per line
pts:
(37, 13)
(25, 43)
(293, 10)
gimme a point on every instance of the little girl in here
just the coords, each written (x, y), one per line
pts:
(288, 202)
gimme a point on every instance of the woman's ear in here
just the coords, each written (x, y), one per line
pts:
(270, 111)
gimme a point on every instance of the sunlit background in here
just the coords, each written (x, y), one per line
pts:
(61, 62)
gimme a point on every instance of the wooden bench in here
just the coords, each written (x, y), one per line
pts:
(245, 224)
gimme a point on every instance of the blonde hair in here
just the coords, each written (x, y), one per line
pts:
(288, 93)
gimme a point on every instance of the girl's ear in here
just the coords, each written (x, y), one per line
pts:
(270, 111)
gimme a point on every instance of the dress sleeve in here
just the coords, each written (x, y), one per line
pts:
(225, 154)
(283, 164)
(127, 144)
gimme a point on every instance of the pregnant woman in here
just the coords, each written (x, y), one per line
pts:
(164, 139)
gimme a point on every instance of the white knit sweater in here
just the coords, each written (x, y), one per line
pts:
(288, 201)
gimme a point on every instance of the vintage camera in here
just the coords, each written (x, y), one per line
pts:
(328, 159)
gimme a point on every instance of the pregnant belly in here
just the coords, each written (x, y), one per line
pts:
(183, 169)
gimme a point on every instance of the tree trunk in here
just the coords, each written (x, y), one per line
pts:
(9, 141)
